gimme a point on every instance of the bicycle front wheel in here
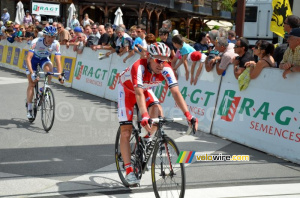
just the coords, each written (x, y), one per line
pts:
(48, 109)
(168, 177)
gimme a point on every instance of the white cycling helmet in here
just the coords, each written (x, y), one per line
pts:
(159, 49)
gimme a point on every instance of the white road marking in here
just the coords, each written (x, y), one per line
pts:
(270, 191)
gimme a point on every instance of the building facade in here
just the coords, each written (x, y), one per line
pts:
(186, 16)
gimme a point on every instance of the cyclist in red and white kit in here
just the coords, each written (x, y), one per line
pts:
(135, 86)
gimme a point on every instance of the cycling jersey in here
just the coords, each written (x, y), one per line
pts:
(41, 50)
(41, 53)
(140, 75)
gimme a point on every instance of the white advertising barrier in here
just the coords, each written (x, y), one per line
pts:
(265, 116)
(116, 67)
(12, 54)
(91, 74)
(200, 98)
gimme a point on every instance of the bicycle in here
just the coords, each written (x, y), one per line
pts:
(44, 101)
(164, 153)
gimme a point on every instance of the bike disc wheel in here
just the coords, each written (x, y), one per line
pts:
(168, 177)
(118, 157)
(48, 109)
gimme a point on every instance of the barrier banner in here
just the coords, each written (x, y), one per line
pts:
(200, 98)
(90, 73)
(16, 56)
(22, 63)
(116, 67)
(3, 51)
(265, 116)
(9, 55)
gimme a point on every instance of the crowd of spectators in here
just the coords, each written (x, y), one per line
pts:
(214, 49)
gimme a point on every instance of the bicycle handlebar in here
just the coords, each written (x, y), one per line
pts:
(157, 120)
(52, 73)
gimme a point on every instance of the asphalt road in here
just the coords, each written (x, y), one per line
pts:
(76, 158)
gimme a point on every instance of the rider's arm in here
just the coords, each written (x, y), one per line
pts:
(140, 99)
(58, 62)
(28, 61)
(179, 99)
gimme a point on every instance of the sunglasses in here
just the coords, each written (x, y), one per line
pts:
(237, 46)
(78, 37)
(286, 23)
(256, 47)
(58, 27)
(94, 28)
(158, 61)
(138, 31)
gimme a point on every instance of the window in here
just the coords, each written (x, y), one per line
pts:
(251, 14)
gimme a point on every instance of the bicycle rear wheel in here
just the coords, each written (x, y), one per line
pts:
(118, 157)
(168, 177)
(48, 109)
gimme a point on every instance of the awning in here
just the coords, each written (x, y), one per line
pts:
(225, 24)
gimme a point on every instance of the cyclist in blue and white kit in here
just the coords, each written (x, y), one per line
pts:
(39, 52)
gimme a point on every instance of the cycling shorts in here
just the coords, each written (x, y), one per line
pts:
(127, 100)
(35, 61)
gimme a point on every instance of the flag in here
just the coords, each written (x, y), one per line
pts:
(281, 10)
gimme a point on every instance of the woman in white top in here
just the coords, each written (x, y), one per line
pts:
(86, 20)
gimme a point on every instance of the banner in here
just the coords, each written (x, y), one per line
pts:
(281, 10)
(264, 116)
(91, 74)
(45, 9)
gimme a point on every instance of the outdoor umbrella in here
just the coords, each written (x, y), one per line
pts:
(118, 18)
(20, 13)
(71, 10)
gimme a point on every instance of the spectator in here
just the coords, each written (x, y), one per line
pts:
(188, 53)
(141, 32)
(10, 34)
(150, 39)
(73, 37)
(39, 32)
(290, 22)
(29, 35)
(2, 29)
(232, 36)
(45, 24)
(213, 53)
(22, 33)
(5, 16)
(132, 32)
(95, 35)
(64, 36)
(86, 20)
(228, 56)
(38, 17)
(124, 41)
(241, 48)
(36, 22)
(140, 44)
(202, 43)
(27, 18)
(223, 32)
(74, 22)
(164, 38)
(291, 62)
(175, 32)
(91, 39)
(54, 24)
(112, 37)
(80, 42)
(17, 33)
(167, 24)
(104, 39)
(263, 50)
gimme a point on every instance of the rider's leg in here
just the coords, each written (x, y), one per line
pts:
(48, 67)
(125, 145)
(30, 91)
(155, 111)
